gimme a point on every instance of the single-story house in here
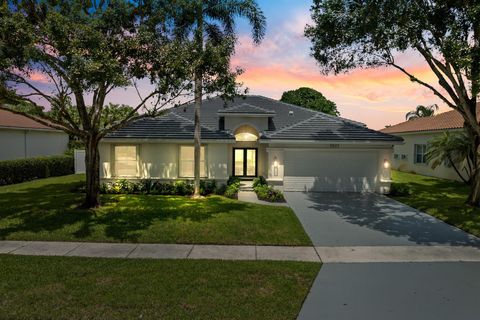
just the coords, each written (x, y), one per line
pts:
(293, 147)
(410, 156)
(22, 137)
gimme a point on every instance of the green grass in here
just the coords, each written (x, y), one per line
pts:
(443, 199)
(48, 210)
(91, 288)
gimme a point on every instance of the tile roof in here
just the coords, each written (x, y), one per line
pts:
(287, 122)
(246, 108)
(168, 126)
(442, 121)
(11, 120)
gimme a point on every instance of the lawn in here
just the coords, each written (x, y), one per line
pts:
(443, 199)
(48, 210)
(87, 288)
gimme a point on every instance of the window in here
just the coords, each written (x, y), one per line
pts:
(395, 156)
(187, 162)
(126, 161)
(420, 150)
(246, 133)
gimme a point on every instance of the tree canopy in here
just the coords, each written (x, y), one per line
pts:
(371, 33)
(311, 99)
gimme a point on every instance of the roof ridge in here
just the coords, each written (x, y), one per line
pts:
(282, 129)
(193, 122)
(311, 110)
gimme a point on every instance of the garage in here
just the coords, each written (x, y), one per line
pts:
(327, 170)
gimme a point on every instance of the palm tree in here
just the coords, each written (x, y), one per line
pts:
(454, 149)
(209, 22)
(422, 112)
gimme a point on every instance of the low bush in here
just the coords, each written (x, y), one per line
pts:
(268, 193)
(231, 190)
(233, 180)
(21, 170)
(400, 189)
(149, 186)
(259, 181)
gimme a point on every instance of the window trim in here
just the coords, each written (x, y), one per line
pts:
(137, 149)
(423, 153)
(204, 161)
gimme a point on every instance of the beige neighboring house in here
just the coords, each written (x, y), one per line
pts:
(410, 156)
(295, 148)
(21, 137)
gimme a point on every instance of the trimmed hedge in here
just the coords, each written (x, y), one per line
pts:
(149, 186)
(21, 170)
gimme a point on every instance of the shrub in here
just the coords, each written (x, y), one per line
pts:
(400, 189)
(259, 181)
(232, 180)
(268, 193)
(231, 190)
(207, 187)
(221, 189)
(182, 188)
(16, 171)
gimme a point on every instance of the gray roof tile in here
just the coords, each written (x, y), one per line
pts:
(287, 122)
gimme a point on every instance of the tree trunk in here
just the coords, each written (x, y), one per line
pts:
(198, 100)
(474, 196)
(197, 135)
(92, 169)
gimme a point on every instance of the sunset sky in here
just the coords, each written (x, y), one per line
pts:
(376, 97)
(282, 62)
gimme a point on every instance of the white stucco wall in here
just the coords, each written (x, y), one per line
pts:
(160, 160)
(407, 150)
(20, 144)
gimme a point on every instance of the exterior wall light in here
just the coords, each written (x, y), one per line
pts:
(386, 164)
(275, 166)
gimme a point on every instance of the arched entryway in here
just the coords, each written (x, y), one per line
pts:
(245, 152)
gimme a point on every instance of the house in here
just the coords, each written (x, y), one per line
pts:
(293, 147)
(22, 137)
(410, 156)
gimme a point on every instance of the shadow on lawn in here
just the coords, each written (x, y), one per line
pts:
(390, 217)
(55, 207)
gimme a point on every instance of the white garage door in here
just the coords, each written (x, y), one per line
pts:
(330, 170)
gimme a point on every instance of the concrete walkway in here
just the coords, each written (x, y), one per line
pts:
(159, 251)
(233, 252)
(251, 196)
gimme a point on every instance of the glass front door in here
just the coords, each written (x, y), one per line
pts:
(245, 162)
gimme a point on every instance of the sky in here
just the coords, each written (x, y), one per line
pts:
(376, 97)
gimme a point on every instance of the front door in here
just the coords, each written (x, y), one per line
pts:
(245, 162)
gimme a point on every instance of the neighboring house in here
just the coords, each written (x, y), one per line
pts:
(293, 147)
(21, 137)
(410, 156)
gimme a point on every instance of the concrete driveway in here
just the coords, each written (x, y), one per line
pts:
(354, 224)
(353, 219)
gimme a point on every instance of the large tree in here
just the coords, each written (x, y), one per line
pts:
(311, 99)
(349, 34)
(70, 54)
(209, 26)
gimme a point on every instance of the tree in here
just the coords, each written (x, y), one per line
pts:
(311, 99)
(209, 25)
(370, 33)
(422, 112)
(81, 51)
(454, 149)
